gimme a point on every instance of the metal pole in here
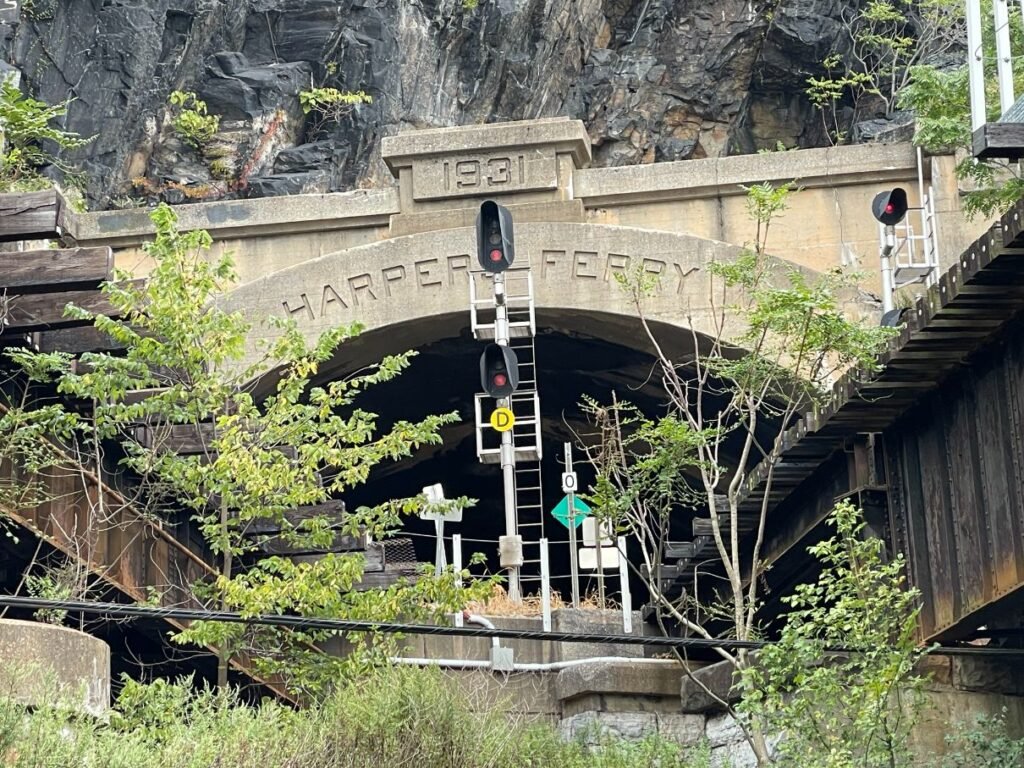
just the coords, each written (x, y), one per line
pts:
(975, 64)
(457, 565)
(574, 568)
(508, 455)
(888, 237)
(508, 472)
(627, 597)
(545, 585)
(500, 311)
(1004, 69)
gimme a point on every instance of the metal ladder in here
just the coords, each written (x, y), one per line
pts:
(525, 404)
(529, 485)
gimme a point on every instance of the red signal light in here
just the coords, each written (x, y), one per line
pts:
(500, 379)
(497, 255)
(890, 208)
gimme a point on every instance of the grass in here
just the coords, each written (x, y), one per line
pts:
(395, 718)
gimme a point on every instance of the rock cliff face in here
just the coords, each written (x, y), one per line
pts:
(652, 79)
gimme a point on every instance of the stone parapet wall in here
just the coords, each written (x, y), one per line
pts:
(539, 169)
(46, 665)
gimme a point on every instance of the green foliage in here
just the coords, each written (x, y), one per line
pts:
(190, 119)
(221, 168)
(299, 446)
(24, 126)
(327, 100)
(843, 710)
(887, 38)
(396, 717)
(985, 742)
(32, 435)
(940, 99)
(54, 583)
(330, 104)
(779, 339)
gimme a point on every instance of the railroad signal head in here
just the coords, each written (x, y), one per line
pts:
(499, 371)
(890, 207)
(495, 248)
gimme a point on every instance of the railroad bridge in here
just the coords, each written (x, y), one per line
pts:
(932, 446)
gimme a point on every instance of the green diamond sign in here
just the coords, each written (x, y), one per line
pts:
(561, 511)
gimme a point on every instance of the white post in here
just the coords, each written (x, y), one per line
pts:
(545, 585)
(574, 569)
(1004, 63)
(439, 557)
(627, 597)
(975, 64)
(457, 566)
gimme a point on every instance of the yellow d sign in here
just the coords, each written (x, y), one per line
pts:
(502, 419)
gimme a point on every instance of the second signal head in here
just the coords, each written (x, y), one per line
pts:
(495, 246)
(499, 371)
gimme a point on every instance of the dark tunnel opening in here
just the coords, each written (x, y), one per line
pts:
(611, 359)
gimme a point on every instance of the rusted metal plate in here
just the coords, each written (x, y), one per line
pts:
(958, 479)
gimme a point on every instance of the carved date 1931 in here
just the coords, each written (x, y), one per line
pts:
(492, 172)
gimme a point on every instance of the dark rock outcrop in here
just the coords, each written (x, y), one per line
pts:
(654, 80)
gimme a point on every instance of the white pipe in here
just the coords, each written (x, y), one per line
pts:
(545, 586)
(477, 619)
(627, 597)
(551, 666)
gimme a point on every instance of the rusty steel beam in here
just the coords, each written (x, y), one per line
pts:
(94, 524)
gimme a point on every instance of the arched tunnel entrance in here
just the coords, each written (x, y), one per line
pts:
(598, 355)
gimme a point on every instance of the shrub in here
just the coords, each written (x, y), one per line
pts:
(24, 126)
(984, 743)
(191, 121)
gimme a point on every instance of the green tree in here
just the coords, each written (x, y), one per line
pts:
(853, 709)
(940, 99)
(25, 128)
(718, 445)
(261, 457)
(886, 39)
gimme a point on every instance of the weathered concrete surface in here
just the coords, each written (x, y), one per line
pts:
(537, 168)
(704, 690)
(619, 686)
(408, 279)
(45, 664)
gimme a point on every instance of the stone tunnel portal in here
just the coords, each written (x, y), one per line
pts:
(599, 355)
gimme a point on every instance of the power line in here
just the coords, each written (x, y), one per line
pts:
(120, 610)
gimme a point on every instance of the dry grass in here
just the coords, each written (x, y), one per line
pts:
(499, 604)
